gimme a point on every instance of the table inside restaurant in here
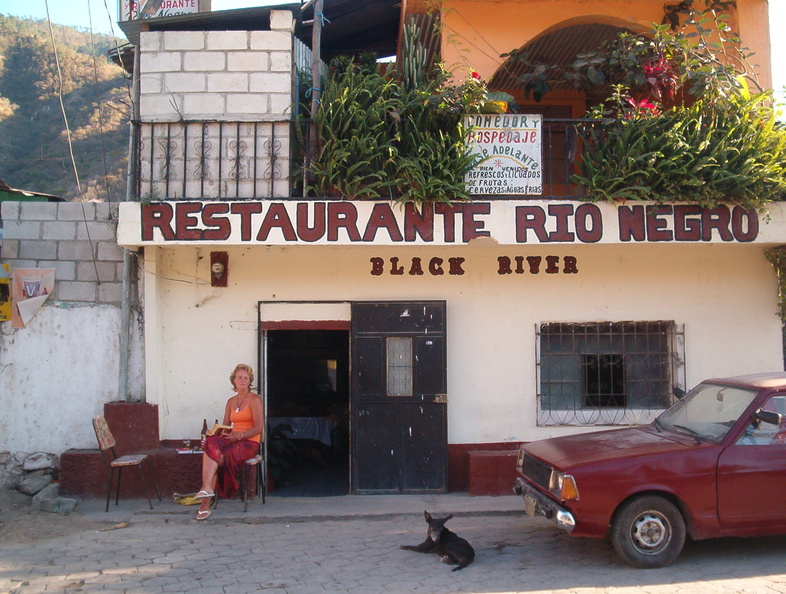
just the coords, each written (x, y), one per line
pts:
(318, 428)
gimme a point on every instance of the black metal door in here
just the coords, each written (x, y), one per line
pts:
(399, 402)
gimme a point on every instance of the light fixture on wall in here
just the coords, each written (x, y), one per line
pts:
(219, 269)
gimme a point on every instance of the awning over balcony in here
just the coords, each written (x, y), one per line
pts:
(353, 25)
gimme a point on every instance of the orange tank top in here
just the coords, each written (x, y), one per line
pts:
(243, 421)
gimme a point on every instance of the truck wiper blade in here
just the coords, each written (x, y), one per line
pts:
(697, 436)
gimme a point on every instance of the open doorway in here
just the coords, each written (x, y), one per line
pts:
(308, 412)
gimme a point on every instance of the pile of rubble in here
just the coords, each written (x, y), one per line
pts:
(35, 475)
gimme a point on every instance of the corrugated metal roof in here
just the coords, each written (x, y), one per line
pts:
(353, 25)
(8, 193)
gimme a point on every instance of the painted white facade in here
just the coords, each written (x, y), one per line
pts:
(725, 295)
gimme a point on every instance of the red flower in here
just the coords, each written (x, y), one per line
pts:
(475, 75)
(643, 108)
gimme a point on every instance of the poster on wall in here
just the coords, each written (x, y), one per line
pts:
(30, 287)
(508, 148)
(5, 292)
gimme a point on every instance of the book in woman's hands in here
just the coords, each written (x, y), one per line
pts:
(217, 429)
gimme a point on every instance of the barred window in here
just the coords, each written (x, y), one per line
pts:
(608, 373)
(399, 366)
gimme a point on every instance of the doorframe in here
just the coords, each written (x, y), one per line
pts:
(326, 323)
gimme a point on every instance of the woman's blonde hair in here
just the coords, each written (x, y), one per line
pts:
(247, 369)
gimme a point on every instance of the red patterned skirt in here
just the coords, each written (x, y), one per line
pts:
(235, 455)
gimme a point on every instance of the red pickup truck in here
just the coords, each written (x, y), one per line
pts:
(713, 464)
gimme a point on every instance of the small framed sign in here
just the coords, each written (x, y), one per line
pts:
(510, 156)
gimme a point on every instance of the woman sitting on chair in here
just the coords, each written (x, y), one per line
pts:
(224, 455)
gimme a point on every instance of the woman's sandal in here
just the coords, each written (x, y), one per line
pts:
(203, 514)
(204, 495)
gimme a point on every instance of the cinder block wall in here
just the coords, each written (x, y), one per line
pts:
(217, 75)
(216, 106)
(77, 239)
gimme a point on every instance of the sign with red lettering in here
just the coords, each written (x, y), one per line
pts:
(508, 151)
(454, 266)
(129, 8)
(504, 222)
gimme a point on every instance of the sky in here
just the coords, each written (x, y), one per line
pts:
(80, 13)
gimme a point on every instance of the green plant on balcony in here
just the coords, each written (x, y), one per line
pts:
(681, 123)
(718, 149)
(396, 133)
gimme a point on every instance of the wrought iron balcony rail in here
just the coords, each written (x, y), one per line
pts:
(212, 160)
(251, 160)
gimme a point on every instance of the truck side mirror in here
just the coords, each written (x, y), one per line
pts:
(766, 416)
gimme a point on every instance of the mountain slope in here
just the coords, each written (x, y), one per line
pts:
(34, 147)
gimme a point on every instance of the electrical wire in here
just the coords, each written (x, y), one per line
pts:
(60, 97)
(68, 138)
(98, 102)
(119, 57)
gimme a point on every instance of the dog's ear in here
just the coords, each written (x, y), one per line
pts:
(448, 517)
(427, 516)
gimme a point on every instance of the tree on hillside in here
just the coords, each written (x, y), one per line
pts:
(34, 151)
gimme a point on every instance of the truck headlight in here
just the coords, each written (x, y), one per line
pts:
(563, 486)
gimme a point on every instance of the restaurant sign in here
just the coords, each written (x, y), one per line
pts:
(508, 152)
(505, 222)
(129, 9)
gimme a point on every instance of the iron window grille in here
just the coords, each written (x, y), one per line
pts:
(608, 373)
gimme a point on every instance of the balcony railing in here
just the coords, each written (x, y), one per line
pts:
(212, 160)
(242, 160)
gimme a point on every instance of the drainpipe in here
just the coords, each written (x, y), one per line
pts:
(128, 257)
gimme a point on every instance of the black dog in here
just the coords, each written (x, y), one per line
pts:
(452, 548)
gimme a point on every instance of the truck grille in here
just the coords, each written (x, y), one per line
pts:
(536, 471)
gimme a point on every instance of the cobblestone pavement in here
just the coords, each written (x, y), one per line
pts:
(339, 547)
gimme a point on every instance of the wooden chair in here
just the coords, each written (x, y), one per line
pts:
(260, 485)
(106, 443)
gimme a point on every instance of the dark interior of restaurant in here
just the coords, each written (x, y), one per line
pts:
(308, 412)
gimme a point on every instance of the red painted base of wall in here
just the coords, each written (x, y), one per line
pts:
(481, 469)
(83, 473)
(134, 425)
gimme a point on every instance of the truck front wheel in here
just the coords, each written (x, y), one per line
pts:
(648, 531)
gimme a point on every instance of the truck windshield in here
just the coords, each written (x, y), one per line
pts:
(707, 412)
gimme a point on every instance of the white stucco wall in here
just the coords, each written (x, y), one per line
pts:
(57, 373)
(725, 295)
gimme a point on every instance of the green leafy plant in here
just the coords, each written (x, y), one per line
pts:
(395, 134)
(729, 150)
(777, 257)
(701, 55)
(681, 123)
